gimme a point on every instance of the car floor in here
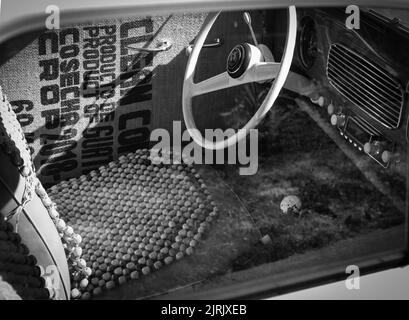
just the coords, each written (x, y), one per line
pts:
(342, 212)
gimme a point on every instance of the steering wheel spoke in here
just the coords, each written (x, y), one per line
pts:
(218, 82)
(261, 71)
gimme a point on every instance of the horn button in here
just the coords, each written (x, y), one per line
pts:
(238, 60)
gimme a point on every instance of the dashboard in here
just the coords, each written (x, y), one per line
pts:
(362, 77)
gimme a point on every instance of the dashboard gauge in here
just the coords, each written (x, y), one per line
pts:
(308, 42)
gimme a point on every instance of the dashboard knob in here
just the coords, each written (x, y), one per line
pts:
(367, 147)
(331, 109)
(386, 156)
(320, 101)
(374, 147)
(338, 120)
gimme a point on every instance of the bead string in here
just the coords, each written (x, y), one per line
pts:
(18, 267)
(14, 144)
(71, 240)
(13, 141)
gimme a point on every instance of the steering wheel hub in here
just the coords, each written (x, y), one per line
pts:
(238, 60)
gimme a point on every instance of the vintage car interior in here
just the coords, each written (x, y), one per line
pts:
(88, 213)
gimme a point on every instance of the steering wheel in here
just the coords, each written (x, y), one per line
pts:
(245, 63)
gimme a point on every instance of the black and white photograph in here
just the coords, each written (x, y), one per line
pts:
(218, 151)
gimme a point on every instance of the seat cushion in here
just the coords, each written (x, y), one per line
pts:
(135, 217)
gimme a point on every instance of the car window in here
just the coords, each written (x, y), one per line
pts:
(113, 113)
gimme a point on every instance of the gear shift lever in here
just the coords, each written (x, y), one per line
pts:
(247, 19)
